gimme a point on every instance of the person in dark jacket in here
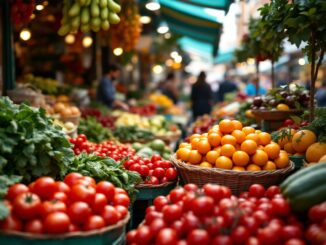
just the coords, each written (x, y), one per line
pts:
(170, 89)
(227, 86)
(201, 96)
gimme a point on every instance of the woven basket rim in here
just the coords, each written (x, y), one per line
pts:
(202, 170)
(63, 236)
(275, 111)
(147, 186)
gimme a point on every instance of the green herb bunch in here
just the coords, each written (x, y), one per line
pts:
(94, 130)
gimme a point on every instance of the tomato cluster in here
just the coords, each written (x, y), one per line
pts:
(154, 171)
(105, 149)
(106, 120)
(21, 11)
(295, 125)
(146, 110)
(212, 215)
(76, 204)
(316, 232)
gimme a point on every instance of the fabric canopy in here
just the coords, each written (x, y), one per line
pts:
(216, 4)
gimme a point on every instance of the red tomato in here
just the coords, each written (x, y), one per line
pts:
(256, 190)
(222, 240)
(131, 237)
(34, 226)
(107, 189)
(227, 192)
(190, 187)
(73, 228)
(240, 235)
(171, 174)
(90, 180)
(159, 202)
(48, 207)
(121, 199)
(93, 222)
(177, 195)
(60, 196)
(122, 210)
(62, 187)
(144, 170)
(31, 187)
(159, 173)
(79, 212)
(100, 201)
(281, 207)
(203, 206)
(149, 217)
(291, 231)
(253, 241)
(190, 222)
(214, 191)
(178, 226)
(71, 178)
(272, 191)
(156, 225)
(15, 190)
(57, 222)
(144, 235)
(261, 217)
(11, 223)
(171, 213)
(45, 187)
(166, 236)
(250, 223)
(118, 190)
(135, 167)
(269, 236)
(82, 193)
(155, 158)
(26, 205)
(198, 236)
(295, 241)
(110, 215)
(152, 180)
(316, 234)
(318, 213)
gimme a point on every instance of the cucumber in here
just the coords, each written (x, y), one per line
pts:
(85, 15)
(114, 18)
(310, 181)
(307, 199)
(301, 173)
(74, 10)
(114, 7)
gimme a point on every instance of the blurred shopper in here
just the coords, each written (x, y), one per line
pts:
(227, 86)
(251, 88)
(106, 90)
(201, 96)
(169, 88)
(321, 95)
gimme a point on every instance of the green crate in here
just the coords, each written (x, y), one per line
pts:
(113, 235)
(298, 161)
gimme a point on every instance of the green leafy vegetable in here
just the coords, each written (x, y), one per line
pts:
(94, 130)
(132, 134)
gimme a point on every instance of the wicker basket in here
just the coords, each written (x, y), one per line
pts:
(237, 181)
(114, 235)
(275, 115)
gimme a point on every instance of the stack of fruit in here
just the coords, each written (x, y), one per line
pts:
(88, 15)
(55, 207)
(228, 145)
(21, 11)
(211, 215)
(126, 34)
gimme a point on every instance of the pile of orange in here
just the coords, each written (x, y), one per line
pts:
(231, 146)
(303, 143)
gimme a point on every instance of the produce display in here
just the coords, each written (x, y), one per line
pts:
(126, 34)
(230, 146)
(94, 130)
(203, 124)
(30, 146)
(76, 204)
(156, 146)
(211, 215)
(88, 15)
(161, 100)
(145, 110)
(283, 99)
(106, 120)
(153, 170)
(21, 11)
(132, 134)
(316, 232)
(65, 110)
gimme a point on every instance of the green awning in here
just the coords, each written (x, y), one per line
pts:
(216, 4)
(191, 21)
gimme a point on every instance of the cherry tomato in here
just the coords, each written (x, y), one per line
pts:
(15, 190)
(171, 174)
(159, 202)
(48, 207)
(198, 236)
(57, 222)
(71, 178)
(79, 212)
(121, 199)
(166, 236)
(93, 222)
(295, 241)
(155, 158)
(100, 201)
(60, 196)
(26, 205)
(291, 231)
(152, 180)
(122, 211)
(135, 167)
(214, 191)
(150, 216)
(118, 190)
(159, 172)
(203, 206)
(74, 228)
(131, 237)
(177, 195)
(34, 226)
(268, 236)
(110, 215)
(156, 225)
(222, 240)
(318, 213)
(190, 187)
(45, 187)
(240, 235)
(272, 191)
(250, 223)
(281, 207)
(171, 213)
(144, 235)
(144, 170)
(82, 193)
(256, 190)
(190, 222)
(11, 223)
(107, 189)
(261, 217)
(62, 187)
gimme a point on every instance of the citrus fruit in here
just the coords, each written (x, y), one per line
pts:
(194, 143)
(315, 152)
(194, 136)
(257, 131)
(282, 161)
(249, 146)
(227, 150)
(249, 114)
(194, 157)
(240, 158)
(214, 139)
(228, 139)
(264, 138)
(303, 139)
(211, 156)
(203, 146)
(185, 145)
(269, 166)
(206, 165)
(282, 107)
(223, 162)
(289, 148)
(253, 137)
(183, 154)
(272, 150)
(236, 124)
(260, 158)
(238, 168)
(253, 167)
(286, 138)
(248, 130)
(226, 126)
(239, 135)
(322, 159)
